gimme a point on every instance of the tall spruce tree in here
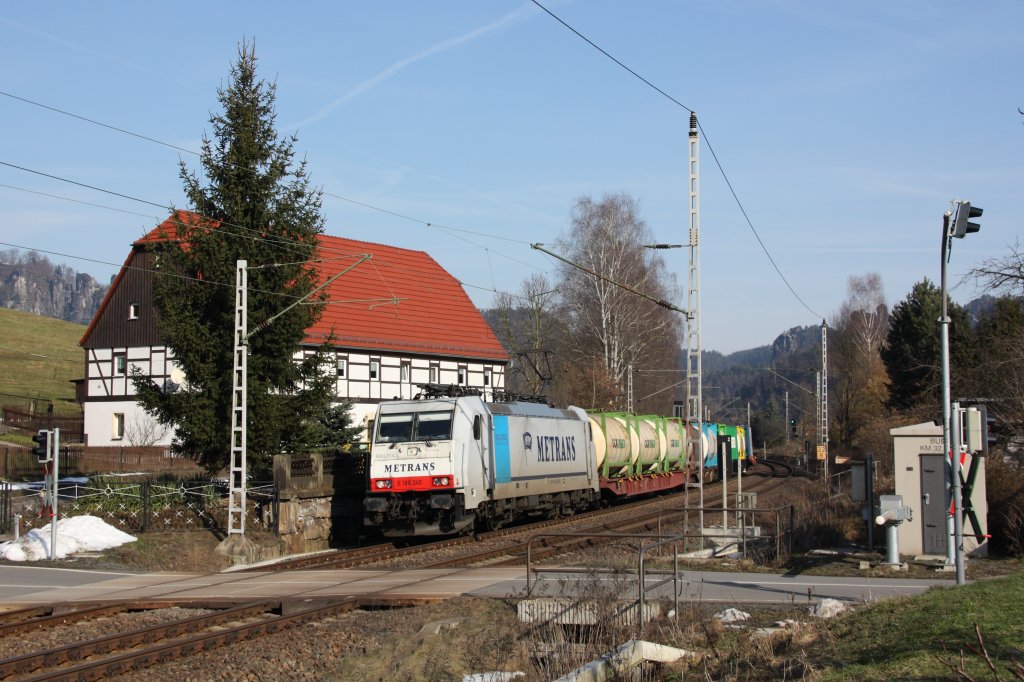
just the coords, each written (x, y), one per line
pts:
(912, 353)
(250, 202)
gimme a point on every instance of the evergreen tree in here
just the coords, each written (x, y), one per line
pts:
(913, 349)
(250, 202)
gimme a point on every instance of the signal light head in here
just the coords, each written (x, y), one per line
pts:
(962, 224)
(42, 448)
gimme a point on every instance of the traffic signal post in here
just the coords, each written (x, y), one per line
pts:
(46, 450)
(956, 223)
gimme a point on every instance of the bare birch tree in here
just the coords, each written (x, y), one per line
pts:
(860, 328)
(608, 323)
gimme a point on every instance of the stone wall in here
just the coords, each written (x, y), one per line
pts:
(304, 520)
(304, 524)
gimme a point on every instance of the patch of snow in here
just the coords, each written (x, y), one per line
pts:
(828, 608)
(788, 624)
(732, 616)
(75, 534)
(492, 677)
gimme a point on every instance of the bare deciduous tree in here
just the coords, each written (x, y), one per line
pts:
(1001, 275)
(529, 328)
(145, 431)
(860, 328)
(607, 322)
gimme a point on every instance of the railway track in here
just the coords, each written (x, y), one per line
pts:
(223, 621)
(405, 555)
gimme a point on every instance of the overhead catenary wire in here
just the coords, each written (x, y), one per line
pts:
(718, 163)
(364, 204)
(175, 220)
(444, 228)
(162, 273)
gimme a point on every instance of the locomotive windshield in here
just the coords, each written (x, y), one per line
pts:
(434, 426)
(421, 426)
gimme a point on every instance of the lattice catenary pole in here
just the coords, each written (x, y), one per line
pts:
(239, 379)
(694, 402)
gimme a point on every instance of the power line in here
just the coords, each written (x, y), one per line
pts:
(718, 163)
(444, 228)
(161, 273)
(94, 122)
(79, 201)
(606, 54)
(195, 153)
(280, 241)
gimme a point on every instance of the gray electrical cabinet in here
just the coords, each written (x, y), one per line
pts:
(922, 479)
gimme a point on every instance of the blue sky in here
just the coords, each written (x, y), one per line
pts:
(845, 129)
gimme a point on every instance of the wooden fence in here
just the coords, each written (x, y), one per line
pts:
(72, 429)
(20, 464)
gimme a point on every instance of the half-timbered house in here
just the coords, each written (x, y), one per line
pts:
(394, 321)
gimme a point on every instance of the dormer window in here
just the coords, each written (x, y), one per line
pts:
(133, 311)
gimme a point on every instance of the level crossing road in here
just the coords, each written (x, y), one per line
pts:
(17, 580)
(22, 586)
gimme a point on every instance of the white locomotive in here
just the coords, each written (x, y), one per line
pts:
(449, 464)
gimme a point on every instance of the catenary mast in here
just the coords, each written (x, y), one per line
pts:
(694, 402)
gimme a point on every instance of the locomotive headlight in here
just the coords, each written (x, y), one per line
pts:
(441, 481)
(384, 483)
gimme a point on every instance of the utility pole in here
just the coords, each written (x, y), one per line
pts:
(786, 425)
(234, 544)
(694, 401)
(239, 414)
(824, 395)
(629, 389)
(694, 388)
(954, 224)
(55, 491)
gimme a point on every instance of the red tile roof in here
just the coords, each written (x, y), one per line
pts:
(399, 300)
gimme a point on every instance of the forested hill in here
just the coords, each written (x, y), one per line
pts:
(29, 282)
(761, 376)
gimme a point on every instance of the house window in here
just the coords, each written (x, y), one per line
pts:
(342, 367)
(405, 372)
(462, 376)
(120, 365)
(118, 426)
(433, 374)
(487, 377)
(133, 311)
(374, 369)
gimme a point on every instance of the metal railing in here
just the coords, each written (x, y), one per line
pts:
(650, 542)
(746, 518)
(147, 506)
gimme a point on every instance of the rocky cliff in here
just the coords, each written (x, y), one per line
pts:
(31, 283)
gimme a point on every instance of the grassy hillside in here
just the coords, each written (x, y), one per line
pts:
(38, 358)
(903, 638)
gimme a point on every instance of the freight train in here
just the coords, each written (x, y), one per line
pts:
(453, 462)
(724, 443)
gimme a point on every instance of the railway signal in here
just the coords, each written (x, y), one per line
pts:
(978, 434)
(962, 224)
(43, 449)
